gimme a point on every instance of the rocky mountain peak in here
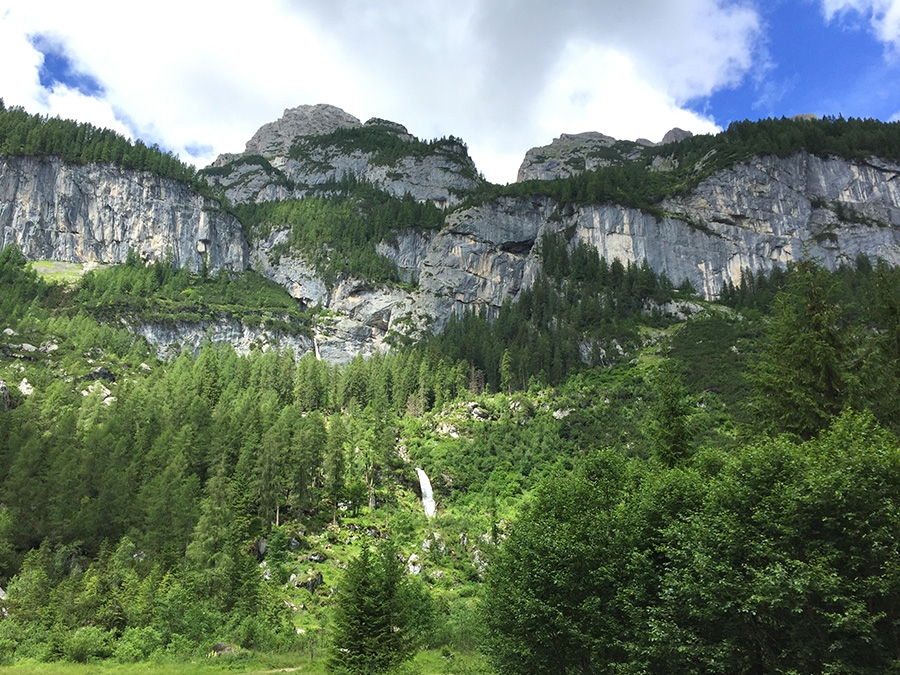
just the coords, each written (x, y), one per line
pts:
(276, 138)
(292, 156)
(571, 154)
(676, 135)
(379, 122)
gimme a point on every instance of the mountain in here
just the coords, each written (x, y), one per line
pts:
(702, 211)
(313, 145)
(571, 154)
(196, 459)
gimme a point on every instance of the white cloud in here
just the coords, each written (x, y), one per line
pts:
(504, 75)
(882, 15)
(613, 97)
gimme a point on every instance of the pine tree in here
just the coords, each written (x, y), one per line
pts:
(375, 615)
(801, 375)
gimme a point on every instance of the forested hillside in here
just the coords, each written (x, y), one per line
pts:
(628, 478)
(154, 509)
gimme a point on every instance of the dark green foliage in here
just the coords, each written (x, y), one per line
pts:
(789, 565)
(582, 312)
(802, 373)
(669, 426)
(713, 353)
(550, 590)
(158, 292)
(20, 284)
(337, 233)
(775, 558)
(377, 620)
(80, 143)
(756, 291)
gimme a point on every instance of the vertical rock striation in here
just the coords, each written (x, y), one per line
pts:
(98, 213)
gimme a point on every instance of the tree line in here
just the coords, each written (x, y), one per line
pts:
(638, 184)
(23, 134)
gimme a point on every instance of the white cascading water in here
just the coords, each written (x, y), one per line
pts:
(427, 495)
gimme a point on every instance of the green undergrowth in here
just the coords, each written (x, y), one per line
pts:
(158, 293)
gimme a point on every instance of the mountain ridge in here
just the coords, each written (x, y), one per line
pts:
(720, 211)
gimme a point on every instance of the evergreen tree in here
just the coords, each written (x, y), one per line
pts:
(375, 624)
(669, 426)
(802, 375)
(335, 465)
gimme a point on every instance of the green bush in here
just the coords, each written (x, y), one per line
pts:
(86, 643)
(137, 644)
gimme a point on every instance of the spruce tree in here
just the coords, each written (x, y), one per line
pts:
(375, 616)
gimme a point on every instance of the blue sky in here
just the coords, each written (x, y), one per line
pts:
(199, 78)
(835, 67)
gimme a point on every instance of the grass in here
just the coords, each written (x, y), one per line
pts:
(66, 273)
(432, 662)
(254, 665)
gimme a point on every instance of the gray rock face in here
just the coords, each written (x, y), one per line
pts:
(297, 158)
(172, 340)
(4, 405)
(768, 212)
(276, 138)
(98, 213)
(360, 321)
(775, 210)
(675, 135)
(571, 154)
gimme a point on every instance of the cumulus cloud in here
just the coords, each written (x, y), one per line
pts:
(882, 15)
(200, 77)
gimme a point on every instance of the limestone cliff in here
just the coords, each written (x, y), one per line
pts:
(171, 340)
(289, 158)
(767, 212)
(98, 213)
(571, 154)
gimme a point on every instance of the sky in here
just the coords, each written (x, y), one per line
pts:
(199, 77)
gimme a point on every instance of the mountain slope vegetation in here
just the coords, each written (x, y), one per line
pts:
(629, 478)
(136, 492)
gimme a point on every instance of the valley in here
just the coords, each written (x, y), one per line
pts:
(653, 391)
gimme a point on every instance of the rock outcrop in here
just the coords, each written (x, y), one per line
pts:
(676, 135)
(276, 138)
(98, 213)
(289, 158)
(571, 154)
(171, 340)
(768, 212)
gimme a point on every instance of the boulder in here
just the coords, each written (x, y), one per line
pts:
(676, 135)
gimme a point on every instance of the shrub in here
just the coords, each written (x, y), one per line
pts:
(86, 643)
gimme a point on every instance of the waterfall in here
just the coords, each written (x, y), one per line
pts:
(427, 495)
